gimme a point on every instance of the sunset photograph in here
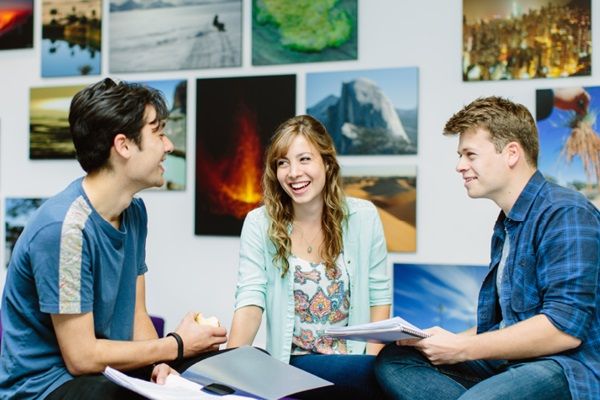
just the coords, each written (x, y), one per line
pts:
(16, 24)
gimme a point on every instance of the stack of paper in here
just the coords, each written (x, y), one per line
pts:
(246, 369)
(175, 387)
(388, 330)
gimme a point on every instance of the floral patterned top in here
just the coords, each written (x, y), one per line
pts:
(321, 299)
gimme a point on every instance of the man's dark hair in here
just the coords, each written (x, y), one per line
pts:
(102, 110)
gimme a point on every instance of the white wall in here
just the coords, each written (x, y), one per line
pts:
(188, 272)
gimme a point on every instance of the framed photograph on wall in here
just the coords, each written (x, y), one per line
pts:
(235, 119)
(526, 39)
(174, 35)
(367, 112)
(17, 213)
(71, 37)
(438, 295)
(393, 190)
(569, 139)
(49, 134)
(288, 31)
(175, 93)
(16, 24)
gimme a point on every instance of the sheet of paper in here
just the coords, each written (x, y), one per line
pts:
(175, 387)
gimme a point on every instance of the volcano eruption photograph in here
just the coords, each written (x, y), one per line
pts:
(235, 119)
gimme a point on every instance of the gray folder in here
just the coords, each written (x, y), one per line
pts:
(252, 371)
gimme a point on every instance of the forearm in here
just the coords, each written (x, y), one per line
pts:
(469, 332)
(127, 355)
(245, 324)
(534, 337)
(83, 353)
(378, 313)
(94, 356)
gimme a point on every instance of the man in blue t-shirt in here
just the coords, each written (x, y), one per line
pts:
(74, 297)
(538, 316)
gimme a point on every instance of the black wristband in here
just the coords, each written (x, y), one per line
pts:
(179, 345)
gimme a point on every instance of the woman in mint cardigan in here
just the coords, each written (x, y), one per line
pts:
(311, 258)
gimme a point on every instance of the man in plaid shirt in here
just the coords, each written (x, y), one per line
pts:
(538, 329)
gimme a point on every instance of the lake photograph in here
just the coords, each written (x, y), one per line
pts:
(71, 37)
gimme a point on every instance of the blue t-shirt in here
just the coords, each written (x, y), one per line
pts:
(68, 260)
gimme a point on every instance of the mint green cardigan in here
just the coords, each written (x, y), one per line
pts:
(260, 282)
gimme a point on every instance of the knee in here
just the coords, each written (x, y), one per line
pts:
(393, 356)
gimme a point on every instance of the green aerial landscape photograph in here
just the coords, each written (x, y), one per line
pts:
(297, 31)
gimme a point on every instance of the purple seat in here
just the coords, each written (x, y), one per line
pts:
(159, 325)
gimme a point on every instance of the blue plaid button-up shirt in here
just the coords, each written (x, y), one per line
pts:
(552, 269)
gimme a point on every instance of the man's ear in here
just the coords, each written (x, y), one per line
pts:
(514, 153)
(122, 145)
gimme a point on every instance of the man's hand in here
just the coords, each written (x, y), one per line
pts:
(442, 347)
(199, 338)
(160, 373)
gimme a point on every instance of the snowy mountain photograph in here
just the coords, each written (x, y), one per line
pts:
(367, 112)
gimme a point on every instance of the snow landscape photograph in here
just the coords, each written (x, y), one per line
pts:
(167, 35)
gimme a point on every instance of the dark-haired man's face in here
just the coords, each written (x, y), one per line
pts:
(145, 166)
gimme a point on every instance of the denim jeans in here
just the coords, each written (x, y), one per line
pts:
(406, 374)
(352, 375)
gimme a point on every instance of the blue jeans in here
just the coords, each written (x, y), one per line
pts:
(404, 373)
(352, 375)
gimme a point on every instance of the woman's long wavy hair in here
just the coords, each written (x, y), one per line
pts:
(279, 205)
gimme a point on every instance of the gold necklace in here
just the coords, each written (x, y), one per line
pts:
(309, 249)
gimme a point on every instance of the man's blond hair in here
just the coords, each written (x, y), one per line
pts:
(504, 120)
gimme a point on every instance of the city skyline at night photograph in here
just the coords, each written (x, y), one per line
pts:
(526, 39)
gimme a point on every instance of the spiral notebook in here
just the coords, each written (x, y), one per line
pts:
(385, 331)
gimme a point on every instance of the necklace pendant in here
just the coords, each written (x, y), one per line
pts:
(309, 249)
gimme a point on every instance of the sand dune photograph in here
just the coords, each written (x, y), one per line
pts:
(395, 197)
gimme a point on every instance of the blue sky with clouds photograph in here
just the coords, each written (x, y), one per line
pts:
(427, 295)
